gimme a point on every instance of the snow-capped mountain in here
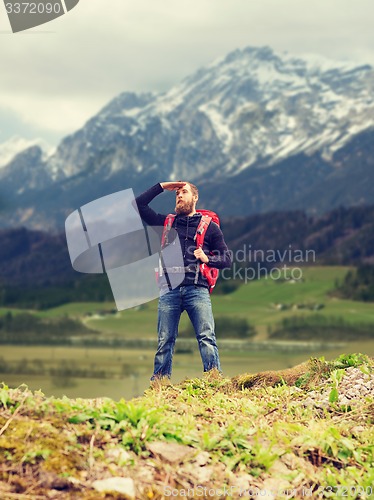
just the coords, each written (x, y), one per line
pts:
(262, 107)
(10, 148)
(252, 107)
(27, 171)
(254, 115)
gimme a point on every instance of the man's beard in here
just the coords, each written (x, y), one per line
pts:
(184, 208)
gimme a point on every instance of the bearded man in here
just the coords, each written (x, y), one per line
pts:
(192, 295)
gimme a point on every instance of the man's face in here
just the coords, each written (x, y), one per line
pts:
(185, 201)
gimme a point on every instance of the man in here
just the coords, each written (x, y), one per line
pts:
(190, 295)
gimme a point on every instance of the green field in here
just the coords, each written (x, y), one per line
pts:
(252, 301)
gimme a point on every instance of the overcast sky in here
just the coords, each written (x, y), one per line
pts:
(55, 77)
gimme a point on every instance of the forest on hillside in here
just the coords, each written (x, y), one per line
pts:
(36, 272)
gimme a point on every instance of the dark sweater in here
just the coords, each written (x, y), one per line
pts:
(186, 227)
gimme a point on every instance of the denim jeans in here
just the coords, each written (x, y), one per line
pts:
(195, 300)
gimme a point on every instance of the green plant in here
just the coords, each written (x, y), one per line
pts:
(336, 377)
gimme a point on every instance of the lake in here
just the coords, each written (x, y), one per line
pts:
(126, 372)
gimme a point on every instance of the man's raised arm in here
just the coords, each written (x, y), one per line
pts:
(142, 201)
(172, 186)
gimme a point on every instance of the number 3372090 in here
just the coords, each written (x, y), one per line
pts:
(346, 491)
(33, 8)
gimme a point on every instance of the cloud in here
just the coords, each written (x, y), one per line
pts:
(57, 76)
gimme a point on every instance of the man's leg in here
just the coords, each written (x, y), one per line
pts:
(196, 301)
(169, 312)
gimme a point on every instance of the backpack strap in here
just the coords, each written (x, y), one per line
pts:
(199, 238)
(169, 219)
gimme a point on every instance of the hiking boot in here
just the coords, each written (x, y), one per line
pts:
(213, 375)
(159, 382)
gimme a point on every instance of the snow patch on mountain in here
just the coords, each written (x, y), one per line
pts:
(219, 124)
(16, 144)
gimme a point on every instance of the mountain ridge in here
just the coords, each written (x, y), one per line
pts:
(248, 118)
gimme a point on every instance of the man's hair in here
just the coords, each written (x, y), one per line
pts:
(194, 189)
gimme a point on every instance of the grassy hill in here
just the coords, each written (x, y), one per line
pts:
(285, 434)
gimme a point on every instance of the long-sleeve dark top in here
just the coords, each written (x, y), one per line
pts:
(214, 245)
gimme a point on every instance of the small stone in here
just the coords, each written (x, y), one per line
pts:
(295, 462)
(118, 455)
(51, 480)
(123, 485)
(243, 483)
(203, 474)
(344, 401)
(202, 458)
(278, 468)
(53, 494)
(349, 395)
(294, 389)
(308, 401)
(272, 485)
(172, 452)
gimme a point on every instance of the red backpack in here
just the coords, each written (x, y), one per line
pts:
(209, 273)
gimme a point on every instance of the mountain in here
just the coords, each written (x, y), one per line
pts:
(343, 236)
(301, 182)
(256, 130)
(10, 148)
(34, 258)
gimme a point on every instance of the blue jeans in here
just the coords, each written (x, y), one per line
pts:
(196, 301)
